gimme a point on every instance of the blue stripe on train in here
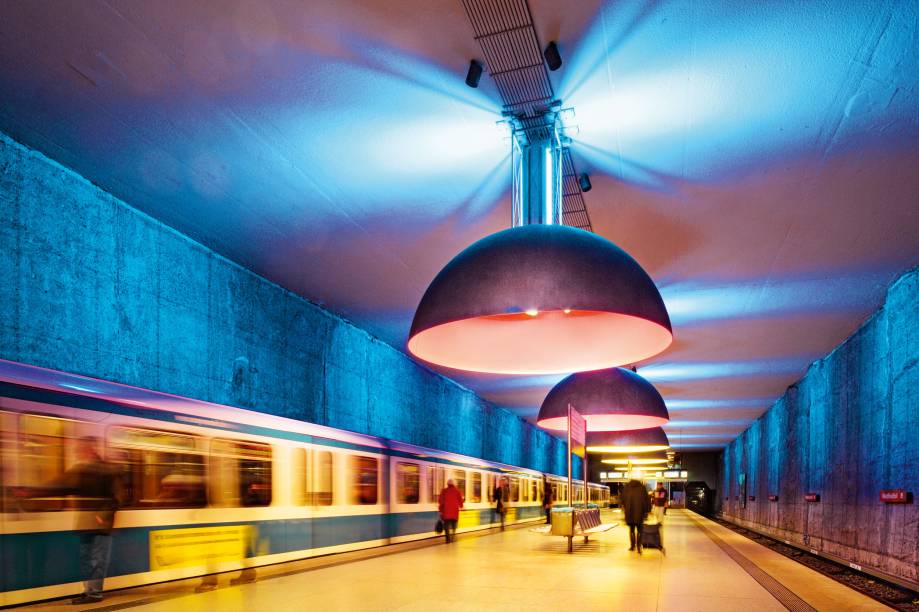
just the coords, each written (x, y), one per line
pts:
(32, 560)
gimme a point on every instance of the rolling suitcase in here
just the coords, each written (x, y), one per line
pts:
(651, 537)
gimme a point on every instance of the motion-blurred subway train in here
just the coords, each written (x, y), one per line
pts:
(206, 488)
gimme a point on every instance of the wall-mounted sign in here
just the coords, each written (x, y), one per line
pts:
(896, 496)
(675, 474)
(773, 498)
(577, 426)
(752, 498)
(812, 497)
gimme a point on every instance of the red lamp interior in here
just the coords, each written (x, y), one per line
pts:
(606, 422)
(546, 342)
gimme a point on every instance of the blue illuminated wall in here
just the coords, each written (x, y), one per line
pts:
(845, 431)
(94, 287)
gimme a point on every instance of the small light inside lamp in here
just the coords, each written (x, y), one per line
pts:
(531, 311)
(567, 311)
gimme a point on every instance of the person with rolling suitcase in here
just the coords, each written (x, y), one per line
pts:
(635, 507)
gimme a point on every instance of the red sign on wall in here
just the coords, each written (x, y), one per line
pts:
(812, 497)
(773, 498)
(894, 496)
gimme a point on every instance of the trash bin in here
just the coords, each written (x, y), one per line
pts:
(562, 521)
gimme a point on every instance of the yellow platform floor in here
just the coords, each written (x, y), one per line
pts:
(521, 570)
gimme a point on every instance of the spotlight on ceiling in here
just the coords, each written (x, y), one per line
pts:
(584, 182)
(474, 74)
(553, 58)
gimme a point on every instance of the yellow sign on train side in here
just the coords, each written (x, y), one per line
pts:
(198, 546)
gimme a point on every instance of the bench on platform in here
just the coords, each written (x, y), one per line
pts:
(571, 523)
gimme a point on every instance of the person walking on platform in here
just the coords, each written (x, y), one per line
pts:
(547, 498)
(94, 482)
(659, 501)
(501, 496)
(451, 500)
(635, 507)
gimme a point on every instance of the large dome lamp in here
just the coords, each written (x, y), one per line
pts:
(614, 399)
(541, 297)
(633, 441)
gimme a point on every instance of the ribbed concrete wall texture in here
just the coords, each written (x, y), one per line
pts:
(845, 431)
(94, 287)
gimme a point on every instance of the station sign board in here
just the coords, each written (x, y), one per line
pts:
(577, 427)
(895, 496)
(774, 498)
(812, 497)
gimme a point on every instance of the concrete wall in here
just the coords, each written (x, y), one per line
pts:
(845, 431)
(704, 467)
(94, 287)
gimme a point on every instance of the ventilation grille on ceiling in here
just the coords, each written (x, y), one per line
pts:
(513, 58)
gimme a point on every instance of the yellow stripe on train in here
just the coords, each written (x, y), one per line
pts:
(198, 546)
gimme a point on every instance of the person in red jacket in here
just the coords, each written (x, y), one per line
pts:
(451, 500)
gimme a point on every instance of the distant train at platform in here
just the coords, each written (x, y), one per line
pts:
(207, 488)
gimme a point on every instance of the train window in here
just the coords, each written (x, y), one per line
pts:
(41, 449)
(476, 496)
(515, 489)
(435, 483)
(298, 476)
(365, 479)
(408, 483)
(524, 489)
(459, 479)
(490, 488)
(43, 445)
(319, 478)
(160, 469)
(241, 473)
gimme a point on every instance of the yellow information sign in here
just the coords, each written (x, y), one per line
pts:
(172, 548)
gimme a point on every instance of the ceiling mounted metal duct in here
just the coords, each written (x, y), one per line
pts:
(614, 399)
(631, 441)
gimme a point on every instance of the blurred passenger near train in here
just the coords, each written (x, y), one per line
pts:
(659, 501)
(451, 500)
(547, 498)
(502, 494)
(93, 481)
(635, 507)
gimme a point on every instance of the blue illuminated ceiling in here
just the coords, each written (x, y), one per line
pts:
(758, 159)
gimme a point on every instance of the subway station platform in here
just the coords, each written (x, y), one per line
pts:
(706, 567)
